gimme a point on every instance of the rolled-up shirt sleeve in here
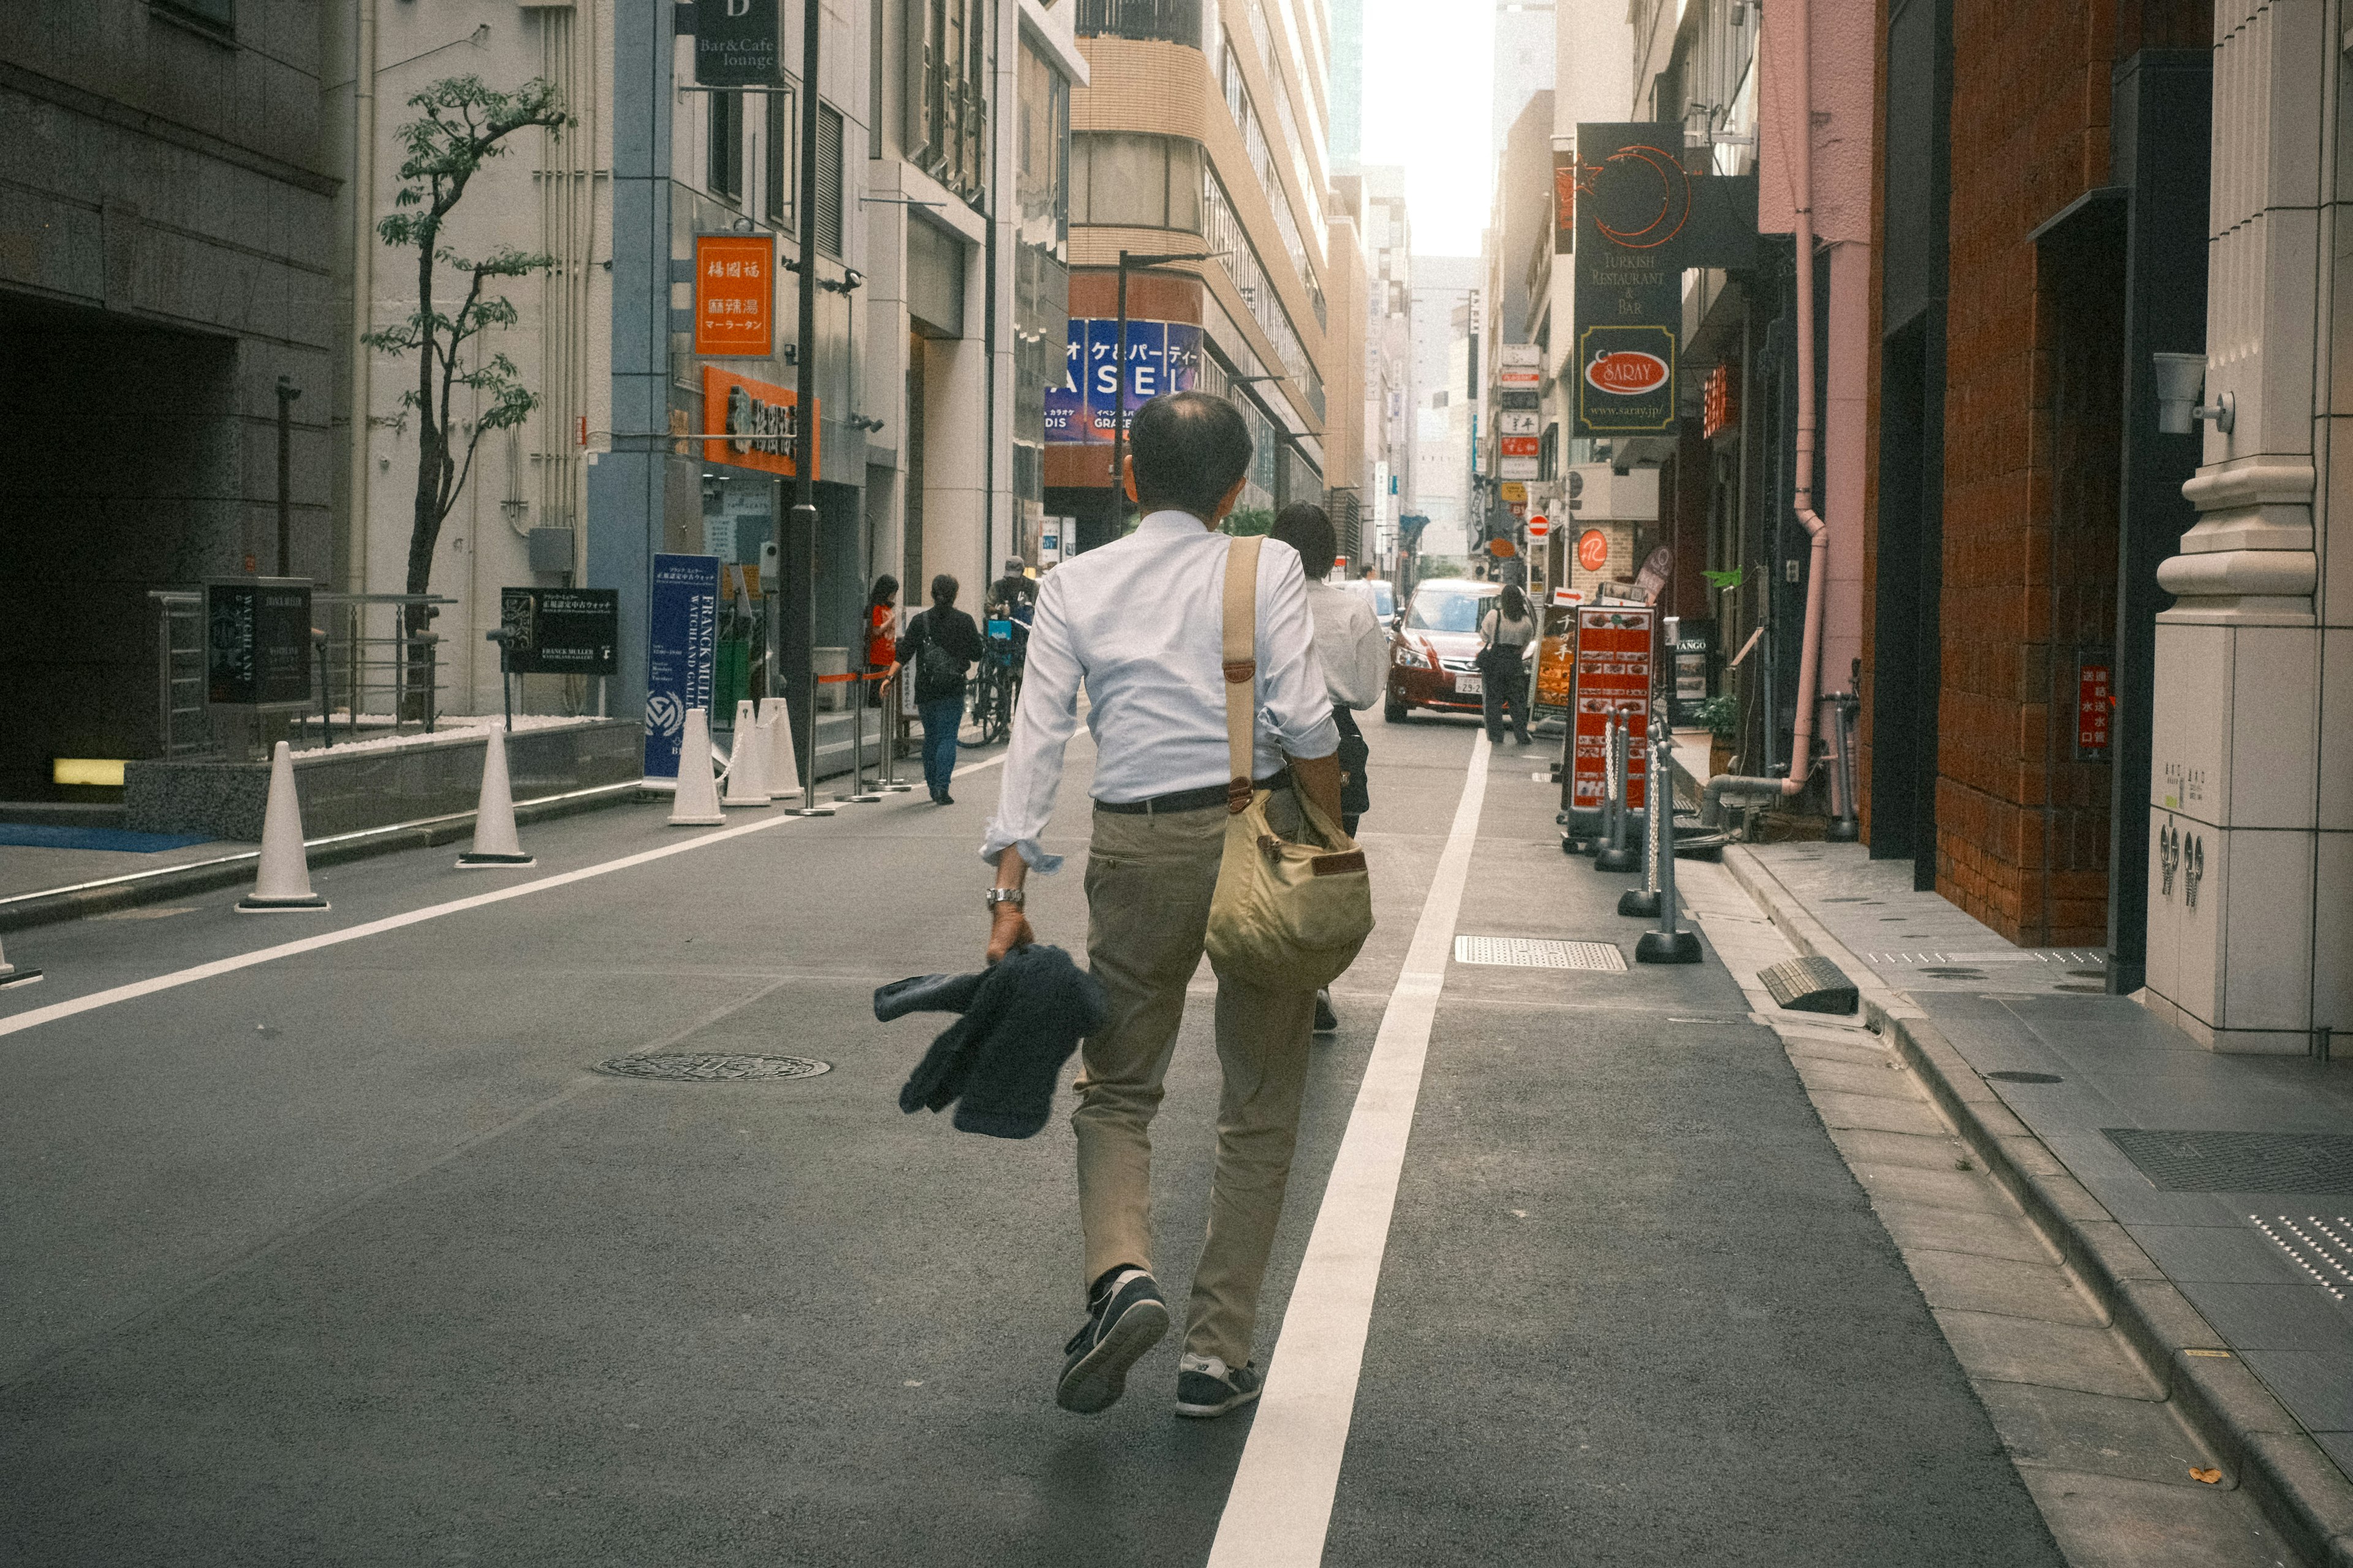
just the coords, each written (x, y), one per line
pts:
(1042, 725)
(1292, 693)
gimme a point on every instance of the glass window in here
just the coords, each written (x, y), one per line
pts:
(1185, 185)
(782, 124)
(1446, 608)
(725, 158)
(1127, 180)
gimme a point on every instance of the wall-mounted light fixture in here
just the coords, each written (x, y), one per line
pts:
(2180, 378)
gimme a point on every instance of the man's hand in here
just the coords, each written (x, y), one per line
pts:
(1009, 928)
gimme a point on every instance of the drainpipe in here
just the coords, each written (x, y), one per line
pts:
(363, 296)
(1801, 161)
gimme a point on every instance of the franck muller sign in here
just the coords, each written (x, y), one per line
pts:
(1641, 219)
(737, 44)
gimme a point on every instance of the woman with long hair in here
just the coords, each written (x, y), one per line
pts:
(1503, 637)
(881, 634)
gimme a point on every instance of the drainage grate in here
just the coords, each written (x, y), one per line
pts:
(2238, 1161)
(706, 1066)
(2321, 1246)
(1539, 952)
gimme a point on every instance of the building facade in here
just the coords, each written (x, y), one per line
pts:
(1201, 138)
(165, 265)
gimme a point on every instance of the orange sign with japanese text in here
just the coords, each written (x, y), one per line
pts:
(755, 424)
(734, 295)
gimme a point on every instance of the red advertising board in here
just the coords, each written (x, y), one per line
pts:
(1593, 550)
(1612, 678)
(1522, 446)
(755, 424)
(2095, 708)
(734, 295)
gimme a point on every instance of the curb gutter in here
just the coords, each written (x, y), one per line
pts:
(2266, 1451)
(28, 910)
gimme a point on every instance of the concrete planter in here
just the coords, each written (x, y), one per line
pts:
(348, 790)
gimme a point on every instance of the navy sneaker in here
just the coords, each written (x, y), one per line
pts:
(1207, 1386)
(1127, 1318)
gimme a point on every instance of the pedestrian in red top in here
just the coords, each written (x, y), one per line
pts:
(881, 633)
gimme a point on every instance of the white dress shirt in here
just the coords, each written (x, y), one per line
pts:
(1141, 622)
(1350, 643)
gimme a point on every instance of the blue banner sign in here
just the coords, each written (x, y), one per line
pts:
(1162, 356)
(681, 632)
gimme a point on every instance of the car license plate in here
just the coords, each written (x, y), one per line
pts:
(1470, 686)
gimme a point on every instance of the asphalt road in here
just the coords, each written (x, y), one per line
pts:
(349, 1257)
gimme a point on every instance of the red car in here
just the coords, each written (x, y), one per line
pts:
(1433, 646)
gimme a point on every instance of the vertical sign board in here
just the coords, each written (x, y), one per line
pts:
(1612, 677)
(734, 295)
(257, 642)
(682, 633)
(561, 631)
(1641, 218)
(737, 43)
(2095, 707)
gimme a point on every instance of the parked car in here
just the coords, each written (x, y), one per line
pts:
(1432, 646)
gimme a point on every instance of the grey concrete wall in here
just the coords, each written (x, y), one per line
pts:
(164, 257)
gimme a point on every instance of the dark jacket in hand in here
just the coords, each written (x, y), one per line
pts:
(1021, 1021)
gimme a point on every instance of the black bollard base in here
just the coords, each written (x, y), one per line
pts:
(1667, 947)
(1618, 860)
(1842, 832)
(1635, 901)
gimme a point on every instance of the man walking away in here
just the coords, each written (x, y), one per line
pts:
(1354, 654)
(942, 644)
(1139, 622)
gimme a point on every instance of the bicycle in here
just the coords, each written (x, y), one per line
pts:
(997, 685)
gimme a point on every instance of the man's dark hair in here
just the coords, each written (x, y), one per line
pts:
(1189, 448)
(1304, 526)
(943, 590)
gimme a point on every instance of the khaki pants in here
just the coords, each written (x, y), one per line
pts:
(1149, 880)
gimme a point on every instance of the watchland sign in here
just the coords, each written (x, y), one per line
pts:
(1641, 219)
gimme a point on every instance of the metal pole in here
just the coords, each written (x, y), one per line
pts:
(287, 394)
(859, 795)
(1119, 415)
(1669, 944)
(805, 420)
(326, 702)
(1617, 856)
(1845, 706)
(889, 783)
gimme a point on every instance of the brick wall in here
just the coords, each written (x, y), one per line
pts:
(2030, 463)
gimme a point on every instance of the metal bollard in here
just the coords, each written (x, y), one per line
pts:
(1845, 710)
(1669, 944)
(1644, 901)
(858, 794)
(889, 783)
(1617, 856)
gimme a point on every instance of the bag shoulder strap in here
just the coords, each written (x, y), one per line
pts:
(1241, 667)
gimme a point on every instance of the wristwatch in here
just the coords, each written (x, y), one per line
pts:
(1013, 895)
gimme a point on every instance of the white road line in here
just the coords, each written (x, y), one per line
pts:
(36, 1017)
(1281, 1506)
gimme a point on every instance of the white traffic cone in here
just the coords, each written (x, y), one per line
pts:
(747, 763)
(696, 803)
(284, 882)
(496, 843)
(783, 769)
(12, 975)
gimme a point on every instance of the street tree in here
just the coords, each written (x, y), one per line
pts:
(461, 125)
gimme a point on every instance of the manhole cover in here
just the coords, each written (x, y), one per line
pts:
(2320, 1245)
(706, 1066)
(1539, 952)
(2238, 1161)
(2008, 1077)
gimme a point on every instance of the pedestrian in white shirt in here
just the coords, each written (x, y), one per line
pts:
(1140, 623)
(1355, 653)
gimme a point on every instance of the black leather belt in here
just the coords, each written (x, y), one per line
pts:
(1185, 799)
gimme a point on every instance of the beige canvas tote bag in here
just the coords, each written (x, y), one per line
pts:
(1289, 913)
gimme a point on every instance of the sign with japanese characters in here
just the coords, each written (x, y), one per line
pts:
(561, 631)
(755, 424)
(682, 636)
(1612, 680)
(734, 295)
(2095, 707)
(1162, 356)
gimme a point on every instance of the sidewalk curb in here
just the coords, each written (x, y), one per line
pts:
(2265, 1450)
(29, 909)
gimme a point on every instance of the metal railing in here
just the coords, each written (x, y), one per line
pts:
(1168, 21)
(374, 670)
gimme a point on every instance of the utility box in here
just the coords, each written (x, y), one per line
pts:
(550, 550)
